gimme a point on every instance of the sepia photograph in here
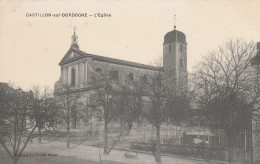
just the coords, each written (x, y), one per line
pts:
(129, 82)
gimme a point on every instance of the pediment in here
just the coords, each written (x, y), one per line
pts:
(70, 56)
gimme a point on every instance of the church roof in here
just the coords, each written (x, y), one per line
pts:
(78, 54)
(174, 36)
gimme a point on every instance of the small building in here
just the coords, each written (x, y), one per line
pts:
(256, 121)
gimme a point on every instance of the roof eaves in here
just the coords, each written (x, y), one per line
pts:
(117, 61)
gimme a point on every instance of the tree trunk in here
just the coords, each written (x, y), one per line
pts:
(91, 124)
(15, 160)
(68, 134)
(105, 138)
(250, 144)
(158, 145)
(230, 155)
(230, 139)
(39, 135)
(74, 120)
(122, 126)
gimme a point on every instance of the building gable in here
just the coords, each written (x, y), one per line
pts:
(70, 56)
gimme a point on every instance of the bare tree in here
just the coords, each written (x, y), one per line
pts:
(67, 102)
(15, 132)
(104, 94)
(160, 101)
(222, 87)
(45, 109)
(18, 120)
(86, 114)
(129, 103)
(21, 114)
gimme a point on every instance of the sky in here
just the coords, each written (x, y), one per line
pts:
(32, 47)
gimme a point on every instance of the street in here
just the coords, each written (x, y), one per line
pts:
(95, 153)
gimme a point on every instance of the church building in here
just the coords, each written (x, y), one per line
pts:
(77, 65)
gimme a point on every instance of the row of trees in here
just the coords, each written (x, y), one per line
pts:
(223, 90)
(150, 97)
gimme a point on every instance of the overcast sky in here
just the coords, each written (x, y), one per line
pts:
(31, 47)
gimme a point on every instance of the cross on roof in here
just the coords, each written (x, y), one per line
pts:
(74, 29)
(175, 20)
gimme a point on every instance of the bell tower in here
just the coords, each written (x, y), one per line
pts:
(175, 59)
(74, 40)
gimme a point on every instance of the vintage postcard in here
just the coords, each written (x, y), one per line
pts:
(115, 82)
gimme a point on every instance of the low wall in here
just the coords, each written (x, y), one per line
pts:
(196, 151)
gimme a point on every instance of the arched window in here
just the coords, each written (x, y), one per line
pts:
(181, 62)
(73, 77)
(181, 47)
(131, 76)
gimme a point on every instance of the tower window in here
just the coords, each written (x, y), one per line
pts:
(170, 48)
(131, 76)
(181, 47)
(181, 62)
(73, 79)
